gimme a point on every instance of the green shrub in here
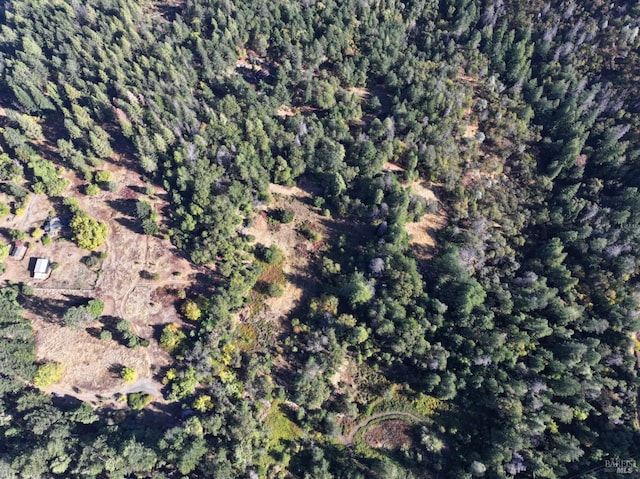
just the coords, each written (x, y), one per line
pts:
(172, 337)
(123, 326)
(103, 176)
(77, 317)
(132, 341)
(191, 310)
(90, 261)
(95, 307)
(128, 374)
(4, 251)
(48, 374)
(92, 190)
(283, 215)
(270, 255)
(139, 400)
(274, 290)
(17, 235)
(306, 229)
(72, 204)
(26, 289)
(106, 335)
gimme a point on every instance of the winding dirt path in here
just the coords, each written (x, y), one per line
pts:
(348, 439)
(32, 201)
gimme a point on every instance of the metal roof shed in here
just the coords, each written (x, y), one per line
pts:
(41, 268)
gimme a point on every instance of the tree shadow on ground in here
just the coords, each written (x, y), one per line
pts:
(52, 310)
(6, 234)
(157, 331)
(65, 402)
(138, 189)
(94, 332)
(115, 368)
(130, 224)
(124, 206)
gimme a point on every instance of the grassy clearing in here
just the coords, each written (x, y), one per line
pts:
(254, 335)
(270, 282)
(281, 432)
(246, 337)
(272, 273)
(281, 428)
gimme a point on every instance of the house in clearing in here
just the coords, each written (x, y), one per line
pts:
(53, 226)
(41, 268)
(18, 250)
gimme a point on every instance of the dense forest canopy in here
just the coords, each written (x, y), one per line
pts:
(513, 344)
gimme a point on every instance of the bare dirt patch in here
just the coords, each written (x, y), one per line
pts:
(288, 191)
(251, 61)
(470, 80)
(364, 424)
(422, 233)
(391, 434)
(344, 377)
(300, 253)
(360, 92)
(471, 126)
(297, 251)
(470, 131)
(388, 166)
(476, 176)
(285, 111)
(167, 9)
(253, 67)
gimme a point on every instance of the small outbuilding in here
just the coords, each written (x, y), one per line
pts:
(41, 268)
(18, 250)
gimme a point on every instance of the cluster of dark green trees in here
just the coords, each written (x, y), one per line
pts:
(522, 321)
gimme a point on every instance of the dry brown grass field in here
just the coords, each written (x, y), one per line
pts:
(92, 365)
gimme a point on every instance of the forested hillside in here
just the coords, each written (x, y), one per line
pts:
(508, 349)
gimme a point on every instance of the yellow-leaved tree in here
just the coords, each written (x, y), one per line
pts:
(88, 233)
(191, 310)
